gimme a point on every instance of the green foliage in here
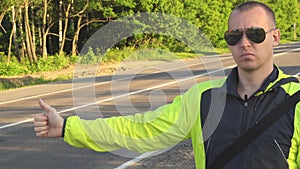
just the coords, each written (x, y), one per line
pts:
(12, 83)
(55, 62)
(115, 55)
(152, 54)
(287, 13)
(14, 68)
(4, 85)
(52, 63)
(91, 57)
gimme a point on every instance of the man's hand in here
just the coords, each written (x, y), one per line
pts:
(48, 124)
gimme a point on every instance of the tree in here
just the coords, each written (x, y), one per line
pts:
(13, 33)
(45, 28)
(30, 44)
(287, 13)
(83, 20)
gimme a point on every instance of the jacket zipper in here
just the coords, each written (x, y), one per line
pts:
(278, 146)
(244, 114)
(246, 100)
(208, 144)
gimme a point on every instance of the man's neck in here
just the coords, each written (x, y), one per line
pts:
(250, 81)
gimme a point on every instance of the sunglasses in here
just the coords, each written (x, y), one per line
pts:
(254, 34)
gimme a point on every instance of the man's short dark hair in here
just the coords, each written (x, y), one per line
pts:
(252, 4)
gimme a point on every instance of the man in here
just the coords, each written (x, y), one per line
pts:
(253, 88)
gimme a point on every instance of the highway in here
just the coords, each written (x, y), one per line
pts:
(124, 93)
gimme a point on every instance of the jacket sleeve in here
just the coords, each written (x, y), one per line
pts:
(153, 130)
(294, 155)
(294, 152)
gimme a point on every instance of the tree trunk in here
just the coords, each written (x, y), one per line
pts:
(28, 47)
(33, 32)
(29, 42)
(9, 47)
(78, 28)
(76, 36)
(60, 33)
(65, 28)
(40, 37)
(44, 48)
(16, 44)
(12, 37)
(1, 18)
(23, 48)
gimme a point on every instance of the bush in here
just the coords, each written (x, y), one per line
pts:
(51, 63)
(14, 68)
(90, 57)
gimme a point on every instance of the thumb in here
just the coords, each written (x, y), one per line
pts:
(54, 121)
(46, 107)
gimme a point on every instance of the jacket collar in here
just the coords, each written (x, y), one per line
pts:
(232, 81)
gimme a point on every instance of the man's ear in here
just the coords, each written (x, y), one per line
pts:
(276, 37)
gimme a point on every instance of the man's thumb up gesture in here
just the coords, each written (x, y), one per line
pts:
(48, 124)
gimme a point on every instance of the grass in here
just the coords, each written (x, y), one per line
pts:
(13, 83)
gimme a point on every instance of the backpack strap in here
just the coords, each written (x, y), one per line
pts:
(244, 140)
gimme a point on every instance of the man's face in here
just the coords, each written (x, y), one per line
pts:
(249, 55)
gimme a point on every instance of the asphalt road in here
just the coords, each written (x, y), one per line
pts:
(127, 92)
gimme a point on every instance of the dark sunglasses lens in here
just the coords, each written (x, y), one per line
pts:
(233, 37)
(256, 35)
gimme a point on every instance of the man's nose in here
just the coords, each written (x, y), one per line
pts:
(245, 41)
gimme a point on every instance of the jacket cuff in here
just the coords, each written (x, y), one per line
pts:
(63, 128)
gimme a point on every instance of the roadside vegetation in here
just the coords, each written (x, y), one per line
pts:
(46, 35)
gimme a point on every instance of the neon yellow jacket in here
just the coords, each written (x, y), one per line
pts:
(164, 127)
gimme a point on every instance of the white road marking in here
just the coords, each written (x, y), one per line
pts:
(289, 51)
(137, 159)
(120, 96)
(145, 155)
(95, 84)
